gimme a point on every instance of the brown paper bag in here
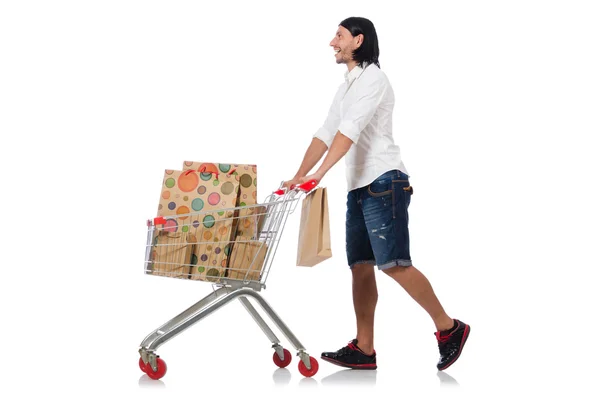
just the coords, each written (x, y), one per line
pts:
(203, 202)
(247, 259)
(244, 223)
(314, 240)
(261, 216)
(245, 174)
(249, 221)
(172, 253)
(211, 254)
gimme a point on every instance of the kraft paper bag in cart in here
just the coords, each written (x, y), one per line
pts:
(171, 253)
(247, 260)
(203, 203)
(314, 241)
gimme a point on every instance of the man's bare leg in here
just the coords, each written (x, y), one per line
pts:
(419, 288)
(364, 294)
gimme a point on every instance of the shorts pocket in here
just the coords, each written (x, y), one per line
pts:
(404, 184)
(379, 188)
(403, 191)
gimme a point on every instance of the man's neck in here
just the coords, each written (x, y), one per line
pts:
(351, 65)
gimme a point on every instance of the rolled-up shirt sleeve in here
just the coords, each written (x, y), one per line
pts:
(325, 135)
(360, 113)
(327, 132)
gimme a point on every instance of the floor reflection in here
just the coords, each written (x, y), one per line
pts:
(447, 380)
(308, 382)
(282, 376)
(147, 383)
(351, 377)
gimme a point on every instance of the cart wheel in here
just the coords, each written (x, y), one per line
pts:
(142, 365)
(314, 367)
(287, 359)
(161, 370)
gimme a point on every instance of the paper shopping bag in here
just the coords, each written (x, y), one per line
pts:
(172, 253)
(201, 206)
(245, 174)
(314, 241)
(245, 223)
(247, 259)
(211, 254)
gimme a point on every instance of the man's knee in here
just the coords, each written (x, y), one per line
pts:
(363, 270)
(396, 270)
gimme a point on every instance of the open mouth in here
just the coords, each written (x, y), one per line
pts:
(337, 51)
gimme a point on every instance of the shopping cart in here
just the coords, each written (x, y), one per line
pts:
(238, 266)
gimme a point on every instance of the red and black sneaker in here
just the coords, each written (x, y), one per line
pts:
(451, 343)
(351, 357)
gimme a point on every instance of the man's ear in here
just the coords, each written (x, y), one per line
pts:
(360, 38)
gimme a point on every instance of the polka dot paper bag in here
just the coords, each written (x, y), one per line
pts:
(202, 205)
(245, 222)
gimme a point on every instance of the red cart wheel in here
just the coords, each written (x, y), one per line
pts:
(142, 365)
(287, 359)
(314, 367)
(161, 369)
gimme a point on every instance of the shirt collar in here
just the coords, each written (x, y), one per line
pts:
(353, 74)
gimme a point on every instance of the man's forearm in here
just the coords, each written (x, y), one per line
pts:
(339, 147)
(314, 153)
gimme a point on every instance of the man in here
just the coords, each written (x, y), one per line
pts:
(359, 127)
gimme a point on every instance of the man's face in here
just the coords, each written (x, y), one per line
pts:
(344, 44)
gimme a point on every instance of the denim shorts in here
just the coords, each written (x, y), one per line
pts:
(377, 222)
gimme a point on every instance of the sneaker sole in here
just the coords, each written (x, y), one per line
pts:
(356, 366)
(462, 344)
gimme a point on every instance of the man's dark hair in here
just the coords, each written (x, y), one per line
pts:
(368, 52)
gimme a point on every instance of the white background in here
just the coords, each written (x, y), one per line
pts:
(496, 114)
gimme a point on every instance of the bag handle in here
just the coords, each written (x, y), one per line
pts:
(203, 170)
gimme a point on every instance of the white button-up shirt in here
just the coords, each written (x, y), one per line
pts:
(362, 110)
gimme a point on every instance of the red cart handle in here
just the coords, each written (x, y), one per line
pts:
(160, 221)
(305, 187)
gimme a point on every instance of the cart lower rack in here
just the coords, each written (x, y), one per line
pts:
(233, 249)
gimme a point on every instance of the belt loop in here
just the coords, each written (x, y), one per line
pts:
(397, 174)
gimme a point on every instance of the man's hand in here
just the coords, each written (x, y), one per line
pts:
(292, 182)
(300, 180)
(316, 176)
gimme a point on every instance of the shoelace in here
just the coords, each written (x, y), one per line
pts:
(346, 350)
